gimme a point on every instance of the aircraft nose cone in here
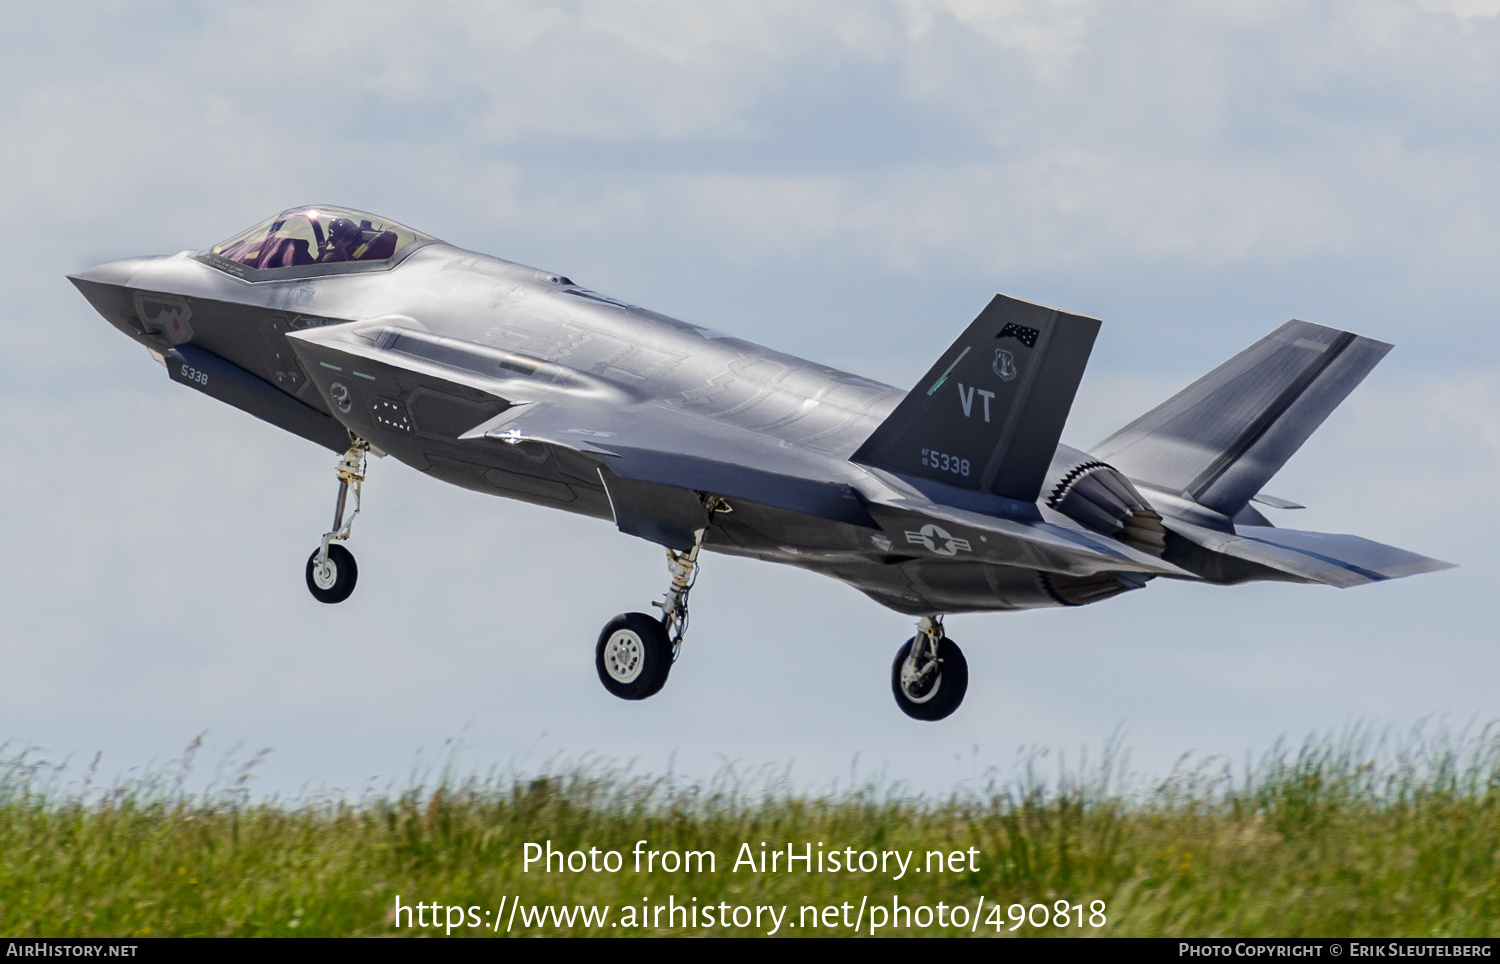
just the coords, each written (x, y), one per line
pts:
(112, 272)
(108, 288)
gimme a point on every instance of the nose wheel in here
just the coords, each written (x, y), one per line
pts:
(331, 580)
(930, 675)
(331, 572)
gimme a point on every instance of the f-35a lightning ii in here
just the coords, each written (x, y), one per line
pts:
(365, 336)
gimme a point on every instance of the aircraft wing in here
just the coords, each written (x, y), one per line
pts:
(1322, 557)
(654, 459)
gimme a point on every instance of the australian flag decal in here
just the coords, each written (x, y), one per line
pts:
(1026, 336)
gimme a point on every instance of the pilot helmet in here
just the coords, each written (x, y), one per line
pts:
(344, 232)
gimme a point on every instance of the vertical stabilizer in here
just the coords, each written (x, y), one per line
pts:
(989, 414)
(1223, 437)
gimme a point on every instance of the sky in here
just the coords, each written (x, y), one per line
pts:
(847, 182)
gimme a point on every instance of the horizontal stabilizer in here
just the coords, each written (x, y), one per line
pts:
(1223, 437)
(989, 414)
(1324, 557)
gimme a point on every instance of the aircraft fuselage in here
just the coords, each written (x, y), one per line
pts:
(796, 411)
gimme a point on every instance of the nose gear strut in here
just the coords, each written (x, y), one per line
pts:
(331, 571)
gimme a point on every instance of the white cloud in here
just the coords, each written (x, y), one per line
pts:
(1177, 134)
(1464, 9)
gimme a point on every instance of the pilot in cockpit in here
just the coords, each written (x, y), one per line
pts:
(344, 241)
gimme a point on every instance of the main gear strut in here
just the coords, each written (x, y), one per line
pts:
(683, 567)
(636, 652)
(918, 669)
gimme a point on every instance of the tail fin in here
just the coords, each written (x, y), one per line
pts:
(988, 415)
(1223, 437)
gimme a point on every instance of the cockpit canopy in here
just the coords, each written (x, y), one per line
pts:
(321, 238)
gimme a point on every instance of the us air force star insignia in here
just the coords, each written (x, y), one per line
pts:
(936, 540)
(1004, 364)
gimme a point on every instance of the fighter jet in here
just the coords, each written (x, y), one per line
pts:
(367, 337)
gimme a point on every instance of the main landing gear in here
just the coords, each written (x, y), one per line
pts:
(331, 572)
(930, 675)
(636, 651)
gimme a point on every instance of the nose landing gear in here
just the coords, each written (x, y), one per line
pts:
(331, 571)
(930, 674)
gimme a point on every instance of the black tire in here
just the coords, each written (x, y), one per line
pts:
(939, 700)
(343, 571)
(633, 656)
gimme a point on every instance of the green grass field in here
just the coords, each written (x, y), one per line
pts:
(1351, 836)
